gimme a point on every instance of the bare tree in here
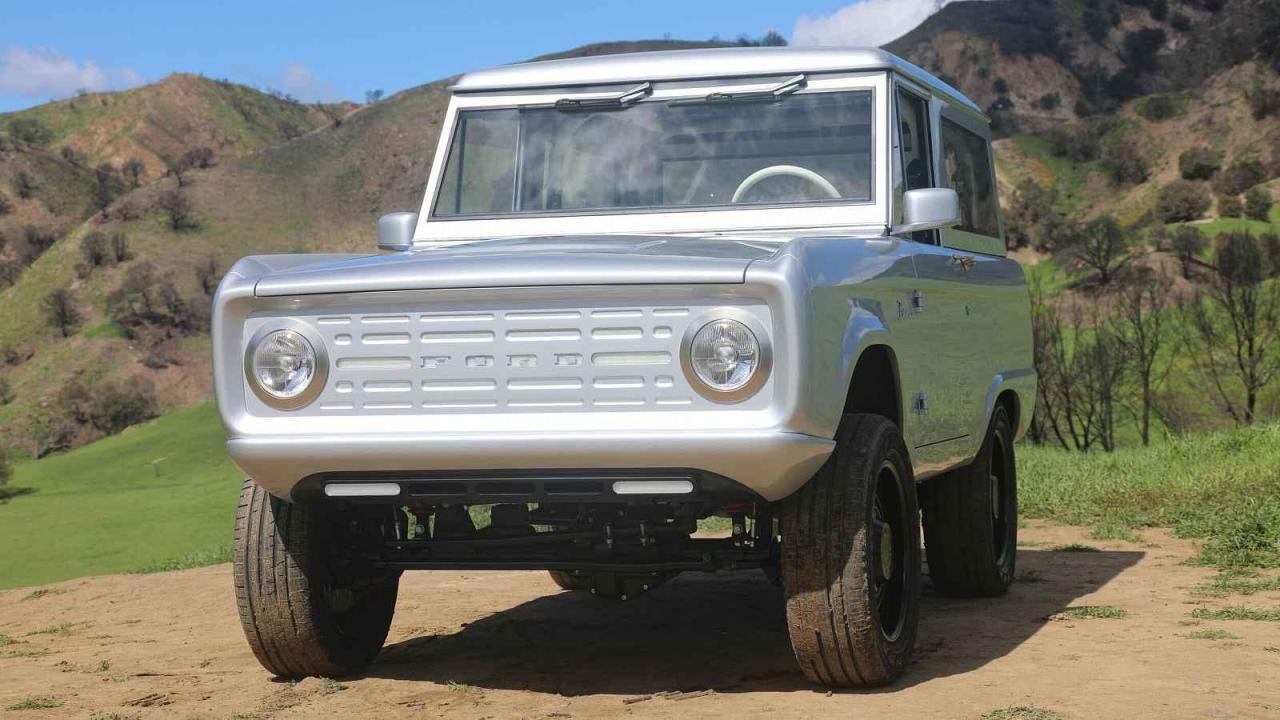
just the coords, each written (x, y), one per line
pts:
(1234, 326)
(60, 308)
(1187, 244)
(178, 207)
(133, 172)
(1141, 325)
(1100, 245)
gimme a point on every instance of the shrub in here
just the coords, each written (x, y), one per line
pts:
(1264, 102)
(120, 247)
(1241, 176)
(1049, 101)
(1159, 108)
(178, 207)
(133, 170)
(117, 406)
(1257, 204)
(1199, 163)
(95, 251)
(30, 130)
(6, 205)
(1182, 200)
(200, 157)
(9, 271)
(1229, 206)
(24, 184)
(1124, 157)
(61, 312)
(1141, 46)
(1078, 142)
(1180, 22)
(6, 392)
(6, 470)
(35, 242)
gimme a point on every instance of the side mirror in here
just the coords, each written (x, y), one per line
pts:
(929, 209)
(395, 231)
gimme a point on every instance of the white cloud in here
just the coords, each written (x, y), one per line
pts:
(297, 80)
(42, 73)
(865, 23)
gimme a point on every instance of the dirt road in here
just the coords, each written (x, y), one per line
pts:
(500, 645)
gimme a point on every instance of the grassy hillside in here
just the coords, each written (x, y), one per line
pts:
(158, 493)
(161, 121)
(162, 495)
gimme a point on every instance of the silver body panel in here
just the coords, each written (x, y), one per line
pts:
(484, 349)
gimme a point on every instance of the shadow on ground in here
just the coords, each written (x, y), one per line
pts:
(723, 632)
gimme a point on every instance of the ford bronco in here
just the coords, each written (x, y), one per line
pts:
(762, 285)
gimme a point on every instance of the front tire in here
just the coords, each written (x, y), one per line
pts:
(971, 519)
(851, 560)
(303, 611)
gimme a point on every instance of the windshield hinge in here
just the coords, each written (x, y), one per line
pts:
(621, 100)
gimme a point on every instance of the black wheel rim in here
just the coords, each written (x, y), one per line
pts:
(889, 537)
(1003, 514)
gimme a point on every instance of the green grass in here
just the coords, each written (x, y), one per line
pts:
(159, 496)
(42, 702)
(1023, 712)
(1211, 634)
(1092, 612)
(1238, 582)
(1222, 488)
(1238, 613)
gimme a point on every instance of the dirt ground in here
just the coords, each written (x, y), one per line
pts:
(511, 645)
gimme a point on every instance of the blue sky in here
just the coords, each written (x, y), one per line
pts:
(329, 50)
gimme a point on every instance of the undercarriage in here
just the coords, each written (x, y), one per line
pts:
(604, 528)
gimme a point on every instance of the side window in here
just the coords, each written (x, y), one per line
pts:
(484, 183)
(915, 160)
(966, 160)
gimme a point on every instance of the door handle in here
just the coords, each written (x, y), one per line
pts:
(962, 262)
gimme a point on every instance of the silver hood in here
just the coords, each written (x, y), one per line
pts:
(522, 262)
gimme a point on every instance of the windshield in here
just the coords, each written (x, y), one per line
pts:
(800, 148)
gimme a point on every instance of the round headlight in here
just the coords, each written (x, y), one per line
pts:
(284, 364)
(725, 355)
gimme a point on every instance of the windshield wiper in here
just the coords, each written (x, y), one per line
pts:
(624, 99)
(773, 94)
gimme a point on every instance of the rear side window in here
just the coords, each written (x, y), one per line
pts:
(966, 164)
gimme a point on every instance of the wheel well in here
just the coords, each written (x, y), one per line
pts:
(1009, 399)
(873, 387)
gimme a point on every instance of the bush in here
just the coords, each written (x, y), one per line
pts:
(6, 391)
(1078, 142)
(25, 185)
(108, 407)
(120, 247)
(1187, 243)
(1180, 22)
(1124, 157)
(1241, 176)
(178, 207)
(31, 131)
(1141, 46)
(9, 271)
(1159, 108)
(1181, 200)
(61, 312)
(1257, 204)
(95, 251)
(6, 205)
(35, 242)
(1264, 102)
(1229, 206)
(1199, 163)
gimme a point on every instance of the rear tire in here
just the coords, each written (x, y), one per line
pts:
(971, 519)
(303, 612)
(851, 560)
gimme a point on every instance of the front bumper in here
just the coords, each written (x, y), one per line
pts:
(771, 463)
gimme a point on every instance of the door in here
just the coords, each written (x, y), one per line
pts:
(940, 401)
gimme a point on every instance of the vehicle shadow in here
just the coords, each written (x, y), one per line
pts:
(723, 632)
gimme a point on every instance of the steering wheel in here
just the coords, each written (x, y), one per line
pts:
(774, 170)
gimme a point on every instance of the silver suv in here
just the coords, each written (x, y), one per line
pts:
(762, 285)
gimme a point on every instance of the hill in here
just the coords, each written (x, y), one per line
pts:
(157, 123)
(323, 190)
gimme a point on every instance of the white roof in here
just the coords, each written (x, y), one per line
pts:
(696, 64)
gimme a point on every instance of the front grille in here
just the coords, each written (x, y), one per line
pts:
(550, 359)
